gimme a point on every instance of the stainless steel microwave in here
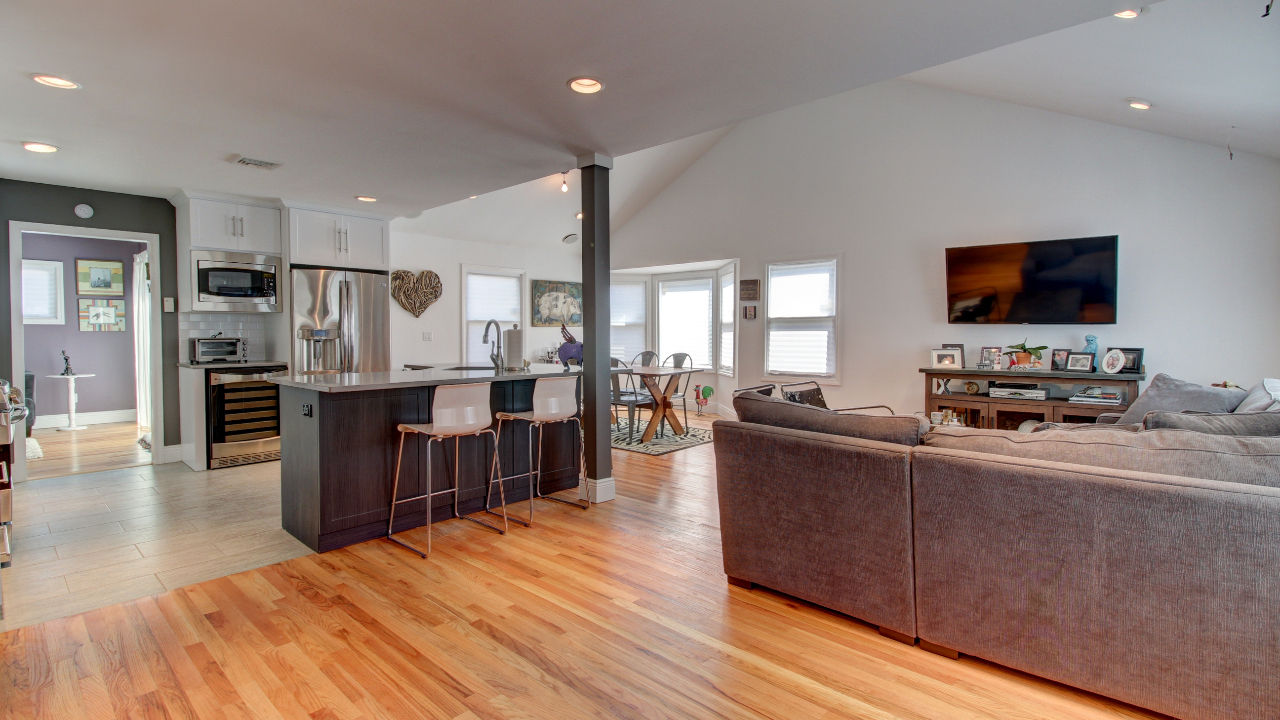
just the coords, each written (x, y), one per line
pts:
(233, 282)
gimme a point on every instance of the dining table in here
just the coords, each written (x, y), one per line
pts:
(662, 405)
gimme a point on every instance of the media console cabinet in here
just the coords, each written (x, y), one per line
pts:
(982, 411)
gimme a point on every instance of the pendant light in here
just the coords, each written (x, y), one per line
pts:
(564, 182)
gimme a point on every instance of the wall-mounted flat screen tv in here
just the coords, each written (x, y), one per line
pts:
(1049, 282)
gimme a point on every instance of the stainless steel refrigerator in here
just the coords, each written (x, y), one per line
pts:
(341, 321)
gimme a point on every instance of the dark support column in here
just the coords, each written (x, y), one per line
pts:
(596, 387)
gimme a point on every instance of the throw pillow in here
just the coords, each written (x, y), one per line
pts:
(1254, 424)
(1166, 393)
(1263, 397)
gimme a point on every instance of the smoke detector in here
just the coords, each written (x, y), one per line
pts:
(569, 239)
(254, 162)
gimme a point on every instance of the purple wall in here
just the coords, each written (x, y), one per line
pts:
(109, 355)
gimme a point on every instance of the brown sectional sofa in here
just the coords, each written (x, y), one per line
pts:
(1155, 580)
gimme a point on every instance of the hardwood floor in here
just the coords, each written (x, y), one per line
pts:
(86, 541)
(111, 446)
(621, 611)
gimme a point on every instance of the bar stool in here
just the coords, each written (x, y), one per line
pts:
(554, 401)
(457, 411)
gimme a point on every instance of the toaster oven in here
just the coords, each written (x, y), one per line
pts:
(218, 349)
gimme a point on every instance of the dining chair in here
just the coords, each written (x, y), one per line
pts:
(628, 397)
(680, 360)
(648, 358)
(810, 393)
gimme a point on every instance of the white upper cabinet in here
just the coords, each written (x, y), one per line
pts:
(228, 226)
(333, 239)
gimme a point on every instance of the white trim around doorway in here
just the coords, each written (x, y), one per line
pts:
(16, 228)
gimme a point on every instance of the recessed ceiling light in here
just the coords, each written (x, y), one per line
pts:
(1138, 103)
(569, 239)
(40, 147)
(586, 85)
(473, 197)
(366, 198)
(55, 81)
(1130, 14)
(578, 216)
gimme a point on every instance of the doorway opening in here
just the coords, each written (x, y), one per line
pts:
(85, 349)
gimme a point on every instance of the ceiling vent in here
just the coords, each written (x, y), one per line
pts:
(255, 163)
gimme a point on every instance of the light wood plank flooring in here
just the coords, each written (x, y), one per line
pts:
(110, 446)
(87, 541)
(621, 611)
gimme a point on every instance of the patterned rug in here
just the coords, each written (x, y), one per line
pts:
(659, 445)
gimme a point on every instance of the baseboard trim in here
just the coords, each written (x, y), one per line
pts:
(602, 490)
(101, 417)
(167, 454)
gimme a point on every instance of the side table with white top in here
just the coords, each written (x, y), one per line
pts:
(71, 400)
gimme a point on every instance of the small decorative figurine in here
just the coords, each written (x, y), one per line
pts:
(1091, 347)
(702, 394)
(66, 364)
(571, 349)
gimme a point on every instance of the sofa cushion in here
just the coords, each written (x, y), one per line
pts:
(1263, 397)
(901, 429)
(1254, 424)
(1166, 393)
(1252, 460)
(1085, 427)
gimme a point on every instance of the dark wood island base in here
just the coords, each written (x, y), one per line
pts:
(338, 456)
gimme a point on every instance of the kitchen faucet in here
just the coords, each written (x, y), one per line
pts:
(495, 352)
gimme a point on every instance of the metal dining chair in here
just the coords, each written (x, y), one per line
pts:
(555, 400)
(647, 358)
(810, 393)
(766, 390)
(628, 397)
(680, 360)
(457, 411)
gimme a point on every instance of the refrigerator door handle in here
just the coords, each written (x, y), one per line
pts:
(348, 362)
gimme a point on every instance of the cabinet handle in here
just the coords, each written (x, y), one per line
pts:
(346, 239)
(242, 226)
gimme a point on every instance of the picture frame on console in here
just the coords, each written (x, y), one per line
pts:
(989, 357)
(945, 358)
(958, 347)
(1081, 362)
(1060, 359)
(1132, 360)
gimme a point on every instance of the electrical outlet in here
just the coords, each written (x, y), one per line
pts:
(426, 336)
(306, 410)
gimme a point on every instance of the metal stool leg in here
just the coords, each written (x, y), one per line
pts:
(583, 458)
(395, 489)
(501, 492)
(489, 481)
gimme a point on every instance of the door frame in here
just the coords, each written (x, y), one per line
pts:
(18, 341)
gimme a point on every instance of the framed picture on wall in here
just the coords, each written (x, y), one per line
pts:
(556, 302)
(99, 277)
(101, 315)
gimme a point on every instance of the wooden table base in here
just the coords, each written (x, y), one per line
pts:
(662, 406)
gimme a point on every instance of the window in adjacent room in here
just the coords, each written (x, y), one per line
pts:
(685, 320)
(627, 331)
(42, 302)
(728, 318)
(801, 301)
(491, 294)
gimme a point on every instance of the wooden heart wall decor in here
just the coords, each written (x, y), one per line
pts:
(415, 293)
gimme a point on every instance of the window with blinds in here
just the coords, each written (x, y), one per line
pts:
(684, 319)
(801, 318)
(42, 301)
(489, 297)
(728, 316)
(627, 330)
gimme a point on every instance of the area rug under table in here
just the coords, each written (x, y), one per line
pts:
(659, 445)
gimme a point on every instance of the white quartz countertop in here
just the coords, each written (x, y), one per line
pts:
(236, 364)
(356, 382)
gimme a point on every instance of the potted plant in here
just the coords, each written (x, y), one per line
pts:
(1022, 354)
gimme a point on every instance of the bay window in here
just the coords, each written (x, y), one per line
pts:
(628, 334)
(684, 319)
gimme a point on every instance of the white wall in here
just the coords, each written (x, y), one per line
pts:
(415, 252)
(888, 176)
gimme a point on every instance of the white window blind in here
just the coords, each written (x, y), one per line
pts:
(684, 319)
(489, 297)
(802, 318)
(627, 336)
(42, 301)
(728, 315)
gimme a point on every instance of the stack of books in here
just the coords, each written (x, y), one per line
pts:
(1095, 396)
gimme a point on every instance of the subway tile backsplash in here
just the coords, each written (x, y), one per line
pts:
(250, 326)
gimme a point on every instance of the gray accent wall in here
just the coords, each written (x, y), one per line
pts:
(54, 205)
(108, 356)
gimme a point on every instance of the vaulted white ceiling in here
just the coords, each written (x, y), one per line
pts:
(424, 103)
(1205, 64)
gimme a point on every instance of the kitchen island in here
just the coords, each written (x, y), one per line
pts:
(338, 444)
